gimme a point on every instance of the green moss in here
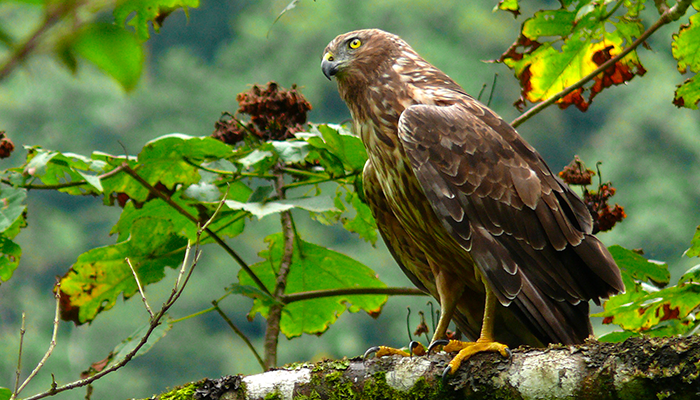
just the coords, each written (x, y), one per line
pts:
(273, 396)
(377, 388)
(180, 393)
(341, 364)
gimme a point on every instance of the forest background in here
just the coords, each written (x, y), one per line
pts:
(195, 68)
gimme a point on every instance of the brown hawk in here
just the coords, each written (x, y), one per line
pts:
(469, 210)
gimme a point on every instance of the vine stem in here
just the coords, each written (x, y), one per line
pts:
(670, 15)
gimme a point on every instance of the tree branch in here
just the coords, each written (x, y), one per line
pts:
(641, 368)
(52, 344)
(275, 314)
(670, 15)
(194, 219)
(316, 294)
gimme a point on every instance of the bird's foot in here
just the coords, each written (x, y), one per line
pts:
(414, 348)
(468, 349)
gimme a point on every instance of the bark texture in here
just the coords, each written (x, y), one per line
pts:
(639, 368)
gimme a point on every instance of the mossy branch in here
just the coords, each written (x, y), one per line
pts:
(641, 368)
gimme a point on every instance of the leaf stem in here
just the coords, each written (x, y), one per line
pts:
(672, 14)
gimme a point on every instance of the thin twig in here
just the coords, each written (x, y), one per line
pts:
(317, 294)
(194, 219)
(216, 212)
(52, 344)
(155, 321)
(138, 284)
(22, 331)
(239, 333)
(670, 15)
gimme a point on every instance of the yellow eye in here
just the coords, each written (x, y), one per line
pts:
(355, 43)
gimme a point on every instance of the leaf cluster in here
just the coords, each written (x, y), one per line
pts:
(588, 46)
(649, 306)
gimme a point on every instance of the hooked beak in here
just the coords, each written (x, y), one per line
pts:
(329, 66)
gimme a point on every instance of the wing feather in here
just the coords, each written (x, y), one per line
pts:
(528, 234)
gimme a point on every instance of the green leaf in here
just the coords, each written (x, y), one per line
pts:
(617, 336)
(112, 49)
(635, 266)
(54, 168)
(12, 219)
(652, 308)
(12, 206)
(169, 160)
(314, 268)
(127, 345)
(509, 5)
(686, 45)
(549, 23)
(260, 209)
(363, 222)
(10, 254)
(255, 157)
(340, 148)
(291, 151)
(557, 48)
(252, 292)
(688, 93)
(100, 275)
(5, 393)
(145, 11)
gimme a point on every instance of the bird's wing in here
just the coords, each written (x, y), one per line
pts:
(499, 200)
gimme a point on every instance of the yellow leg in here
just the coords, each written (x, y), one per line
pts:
(485, 341)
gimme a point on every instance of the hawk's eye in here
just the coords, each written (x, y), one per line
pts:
(355, 43)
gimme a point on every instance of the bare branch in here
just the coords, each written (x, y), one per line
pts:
(138, 284)
(18, 373)
(275, 314)
(315, 294)
(668, 16)
(178, 288)
(52, 344)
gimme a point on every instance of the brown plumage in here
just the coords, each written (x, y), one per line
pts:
(465, 205)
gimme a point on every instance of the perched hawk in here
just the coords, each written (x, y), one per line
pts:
(469, 210)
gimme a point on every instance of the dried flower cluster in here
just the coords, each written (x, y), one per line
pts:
(6, 146)
(275, 114)
(604, 216)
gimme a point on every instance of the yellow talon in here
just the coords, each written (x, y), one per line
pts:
(387, 351)
(468, 349)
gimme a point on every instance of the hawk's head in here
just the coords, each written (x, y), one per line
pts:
(357, 56)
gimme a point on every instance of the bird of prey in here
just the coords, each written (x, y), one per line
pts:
(469, 210)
